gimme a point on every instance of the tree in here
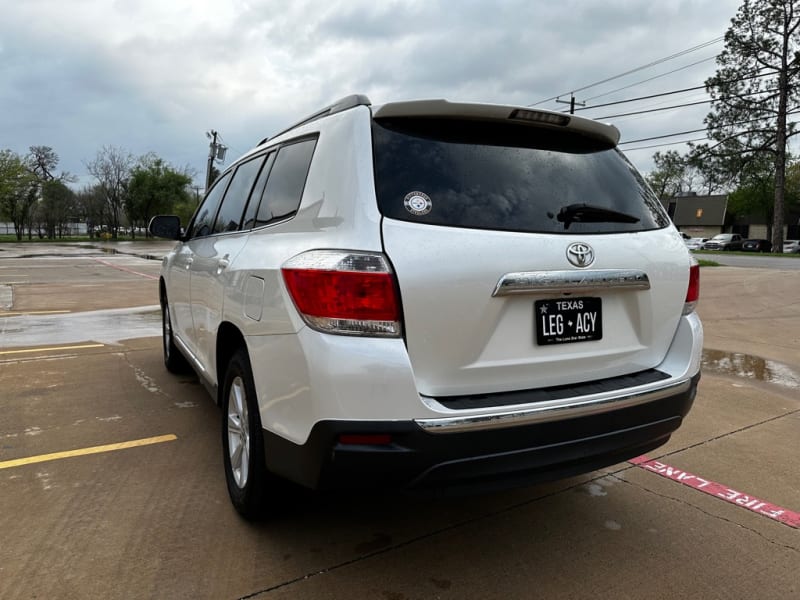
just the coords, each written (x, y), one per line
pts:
(90, 207)
(49, 212)
(155, 187)
(17, 190)
(675, 173)
(55, 208)
(668, 178)
(43, 161)
(755, 194)
(754, 89)
(112, 170)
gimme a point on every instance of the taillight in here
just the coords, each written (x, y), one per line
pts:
(693, 291)
(349, 293)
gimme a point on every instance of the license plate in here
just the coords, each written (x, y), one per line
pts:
(566, 321)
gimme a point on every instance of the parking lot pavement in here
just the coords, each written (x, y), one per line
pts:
(111, 482)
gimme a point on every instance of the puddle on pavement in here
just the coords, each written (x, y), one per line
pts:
(750, 367)
(84, 250)
(103, 326)
(89, 252)
(115, 251)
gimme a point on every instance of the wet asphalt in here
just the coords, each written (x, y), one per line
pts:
(111, 482)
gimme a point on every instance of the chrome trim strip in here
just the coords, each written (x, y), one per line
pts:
(548, 282)
(549, 411)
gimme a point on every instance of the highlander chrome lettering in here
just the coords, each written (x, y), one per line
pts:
(533, 282)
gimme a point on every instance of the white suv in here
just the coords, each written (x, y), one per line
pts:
(430, 294)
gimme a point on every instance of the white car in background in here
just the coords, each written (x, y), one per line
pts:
(429, 294)
(695, 243)
(791, 246)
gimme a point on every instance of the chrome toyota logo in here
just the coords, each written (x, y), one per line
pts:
(580, 254)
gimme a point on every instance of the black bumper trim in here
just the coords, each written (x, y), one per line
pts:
(559, 392)
(480, 459)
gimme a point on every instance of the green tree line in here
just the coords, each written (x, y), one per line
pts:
(126, 192)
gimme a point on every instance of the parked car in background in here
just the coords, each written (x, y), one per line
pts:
(756, 245)
(724, 241)
(791, 246)
(695, 243)
(409, 295)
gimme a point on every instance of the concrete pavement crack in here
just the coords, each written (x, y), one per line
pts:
(705, 512)
(723, 435)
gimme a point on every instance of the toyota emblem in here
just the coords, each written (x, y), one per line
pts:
(580, 254)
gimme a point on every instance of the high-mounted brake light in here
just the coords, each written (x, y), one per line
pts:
(349, 293)
(693, 290)
(540, 117)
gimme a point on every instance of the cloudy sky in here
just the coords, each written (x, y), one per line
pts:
(155, 75)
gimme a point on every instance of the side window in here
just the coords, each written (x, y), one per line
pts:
(258, 191)
(286, 181)
(204, 217)
(230, 213)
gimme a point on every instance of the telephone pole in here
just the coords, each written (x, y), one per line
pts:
(215, 152)
(571, 103)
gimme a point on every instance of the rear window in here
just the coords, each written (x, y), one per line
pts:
(507, 177)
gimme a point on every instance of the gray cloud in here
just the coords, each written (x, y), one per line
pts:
(154, 76)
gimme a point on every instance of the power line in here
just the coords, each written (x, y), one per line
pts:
(631, 71)
(661, 94)
(660, 137)
(660, 108)
(668, 135)
(651, 110)
(666, 144)
(650, 78)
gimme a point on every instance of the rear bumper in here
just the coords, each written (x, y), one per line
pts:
(458, 455)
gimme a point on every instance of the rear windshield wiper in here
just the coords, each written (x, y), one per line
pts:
(588, 213)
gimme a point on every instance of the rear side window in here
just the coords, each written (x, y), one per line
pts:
(204, 218)
(507, 177)
(230, 213)
(258, 191)
(286, 181)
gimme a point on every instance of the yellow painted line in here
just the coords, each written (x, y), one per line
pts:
(8, 464)
(32, 312)
(51, 349)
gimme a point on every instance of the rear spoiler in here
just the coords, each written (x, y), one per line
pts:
(497, 112)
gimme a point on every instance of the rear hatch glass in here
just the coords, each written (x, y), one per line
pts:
(507, 177)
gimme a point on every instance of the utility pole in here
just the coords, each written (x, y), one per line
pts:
(571, 103)
(215, 152)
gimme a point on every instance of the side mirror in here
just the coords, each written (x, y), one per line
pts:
(166, 226)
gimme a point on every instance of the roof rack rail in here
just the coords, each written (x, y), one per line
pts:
(343, 104)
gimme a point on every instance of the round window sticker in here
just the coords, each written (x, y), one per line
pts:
(418, 203)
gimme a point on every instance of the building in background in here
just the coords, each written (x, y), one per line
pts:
(706, 216)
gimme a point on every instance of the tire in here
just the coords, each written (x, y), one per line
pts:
(243, 441)
(173, 359)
